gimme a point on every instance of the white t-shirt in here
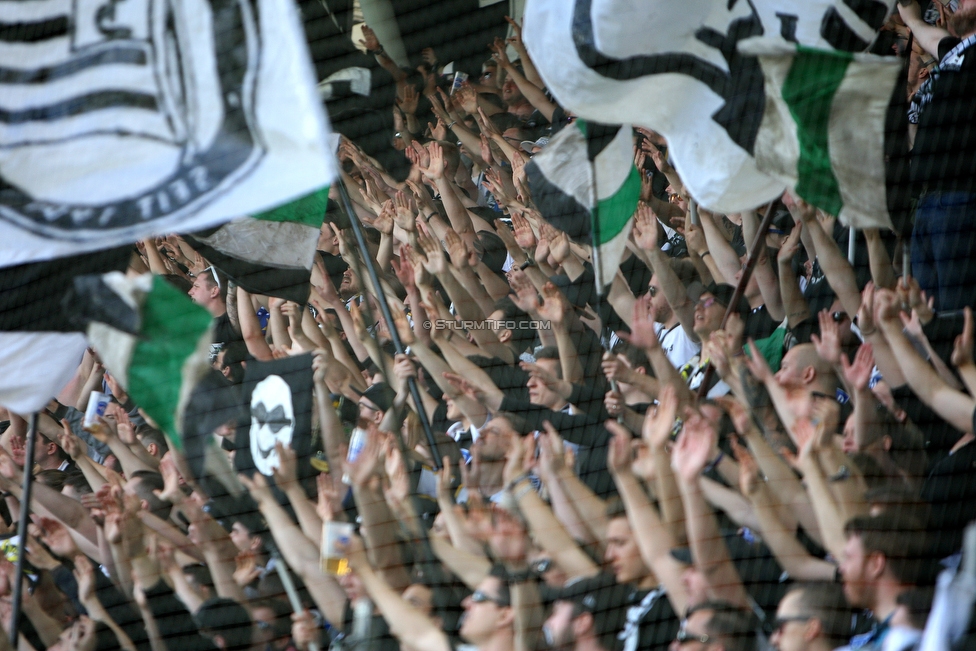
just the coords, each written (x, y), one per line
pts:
(677, 345)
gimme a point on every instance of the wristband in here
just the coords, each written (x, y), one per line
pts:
(451, 125)
(523, 492)
(705, 253)
(519, 576)
(512, 484)
(717, 460)
(528, 263)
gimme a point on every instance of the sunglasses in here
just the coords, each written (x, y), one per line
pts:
(780, 622)
(684, 636)
(652, 290)
(213, 272)
(541, 566)
(479, 597)
(706, 303)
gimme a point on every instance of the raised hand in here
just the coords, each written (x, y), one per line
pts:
(524, 236)
(554, 306)
(552, 452)
(526, 298)
(658, 425)
(436, 261)
(435, 169)
(858, 373)
(369, 40)
(286, 473)
(828, 343)
(620, 451)
(962, 349)
(458, 250)
(694, 447)
(757, 364)
(73, 445)
(614, 368)
(791, 246)
(645, 227)
(408, 103)
(642, 333)
(396, 471)
(749, 477)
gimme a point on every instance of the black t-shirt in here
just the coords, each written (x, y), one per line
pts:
(378, 637)
(223, 334)
(944, 155)
(656, 621)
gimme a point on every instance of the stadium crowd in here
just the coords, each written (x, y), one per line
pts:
(667, 464)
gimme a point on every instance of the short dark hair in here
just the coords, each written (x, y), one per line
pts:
(504, 594)
(635, 356)
(518, 423)
(150, 481)
(736, 626)
(615, 508)
(228, 619)
(281, 627)
(826, 602)
(148, 434)
(76, 480)
(550, 352)
(53, 478)
(200, 573)
(902, 539)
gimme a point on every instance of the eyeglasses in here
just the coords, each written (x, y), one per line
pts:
(479, 597)
(780, 622)
(706, 303)
(683, 637)
(363, 405)
(675, 197)
(541, 566)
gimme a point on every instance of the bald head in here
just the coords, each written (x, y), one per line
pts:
(803, 367)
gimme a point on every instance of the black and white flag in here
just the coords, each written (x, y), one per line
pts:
(675, 67)
(121, 119)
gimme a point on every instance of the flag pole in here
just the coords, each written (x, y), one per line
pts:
(25, 497)
(851, 244)
(289, 585)
(693, 211)
(367, 259)
(740, 289)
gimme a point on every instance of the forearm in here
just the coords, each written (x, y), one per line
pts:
(794, 305)
(722, 252)
(470, 568)
(669, 495)
(565, 511)
(653, 538)
(379, 528)
(409, 625)
(308, 517)
(927, 36)
(592, 510)
(954, 406)
(549, 533)
(828, 515)
(790, 554)
(835, 266)
(527, 604)
(708, 546)
(302, 556)
(251, 328)
(457, 214)
(46, 626)
(472, 284)
(219, 557)
(569, 360)
(674, 293)
(882, 273)
(130, 461)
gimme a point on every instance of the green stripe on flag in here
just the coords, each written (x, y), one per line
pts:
(308, 210)
(171, 328)
(614, 212)
(809, 92)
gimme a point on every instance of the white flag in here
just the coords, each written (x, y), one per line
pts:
(674, 67)
(122, 120)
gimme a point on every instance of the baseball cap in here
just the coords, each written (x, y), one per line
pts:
(600, 596)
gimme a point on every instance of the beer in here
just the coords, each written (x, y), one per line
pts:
(331, 559)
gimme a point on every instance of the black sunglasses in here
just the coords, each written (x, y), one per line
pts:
(480, 597)
(780, 622)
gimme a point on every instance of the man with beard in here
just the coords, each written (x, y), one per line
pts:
(943, 164)
(587, 615)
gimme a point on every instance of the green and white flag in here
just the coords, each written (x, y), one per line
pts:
(586, 184)
(271, 252)
(152, 338)
(823, 129)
